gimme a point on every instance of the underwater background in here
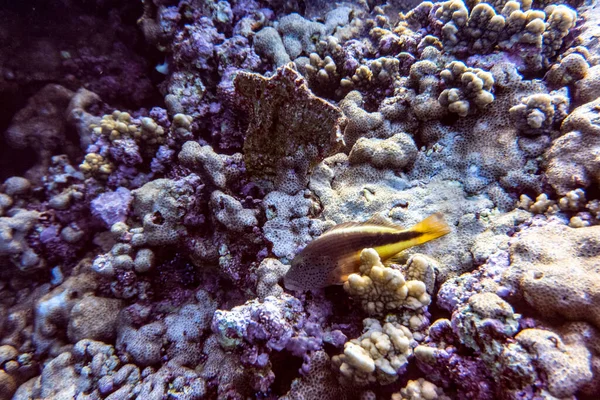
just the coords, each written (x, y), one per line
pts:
(163, 162)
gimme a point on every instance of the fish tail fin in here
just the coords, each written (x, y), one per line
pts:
(431, 228)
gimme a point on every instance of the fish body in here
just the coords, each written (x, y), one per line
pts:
(329, 259)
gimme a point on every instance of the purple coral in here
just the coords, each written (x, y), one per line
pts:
(112, 207)
(256, 330)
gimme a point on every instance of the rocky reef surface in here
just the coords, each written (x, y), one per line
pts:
(162, 162)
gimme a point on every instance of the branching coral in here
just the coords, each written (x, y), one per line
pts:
(510, 26)
(420, 389)
(469, 88)
(539, 113)
(121, 145)
(119, 125)
(322, 74)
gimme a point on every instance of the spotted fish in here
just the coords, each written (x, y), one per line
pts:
(329, 259)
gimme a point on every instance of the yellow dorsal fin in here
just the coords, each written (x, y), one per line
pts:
(430, 228)
(375, 220)
(379, 220)
(341, 226)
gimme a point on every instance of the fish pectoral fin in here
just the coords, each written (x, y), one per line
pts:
(345, 266)
(398, 258)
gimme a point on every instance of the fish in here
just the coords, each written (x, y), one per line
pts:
(332, 257)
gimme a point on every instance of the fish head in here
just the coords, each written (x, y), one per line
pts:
(309, 271)
(291, 279)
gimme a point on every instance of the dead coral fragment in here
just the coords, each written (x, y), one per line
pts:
(14, 229)
(468, 88)
(382, 289)
(285, 121)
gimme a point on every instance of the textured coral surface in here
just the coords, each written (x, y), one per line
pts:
(163, 162)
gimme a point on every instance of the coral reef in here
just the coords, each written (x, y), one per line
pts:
(162, 163)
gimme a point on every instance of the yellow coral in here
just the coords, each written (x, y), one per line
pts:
(120, 125)
(96, 166)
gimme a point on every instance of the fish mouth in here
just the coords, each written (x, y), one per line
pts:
(290, 284)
